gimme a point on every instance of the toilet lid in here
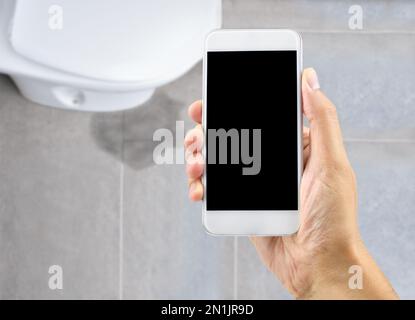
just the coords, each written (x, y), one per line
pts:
(128, 40)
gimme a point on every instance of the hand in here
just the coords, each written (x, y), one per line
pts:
(314, 262)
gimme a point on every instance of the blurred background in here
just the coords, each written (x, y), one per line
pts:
(80, 190)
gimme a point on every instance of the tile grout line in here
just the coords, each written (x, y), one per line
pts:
(235, 268)
(121, 235)
(121, 218)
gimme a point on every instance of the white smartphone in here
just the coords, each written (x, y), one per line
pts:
(252, 119)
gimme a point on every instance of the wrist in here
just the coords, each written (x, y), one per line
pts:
(350, 273)
(330, 274)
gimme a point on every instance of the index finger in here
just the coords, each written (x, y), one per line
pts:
(195, 111)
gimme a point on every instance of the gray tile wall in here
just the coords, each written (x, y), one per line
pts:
(80, 189)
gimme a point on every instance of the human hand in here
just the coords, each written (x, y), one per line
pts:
(314, 262)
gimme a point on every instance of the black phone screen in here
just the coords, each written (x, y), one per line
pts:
(251, 134)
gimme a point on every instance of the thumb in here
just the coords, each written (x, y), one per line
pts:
(325, 134)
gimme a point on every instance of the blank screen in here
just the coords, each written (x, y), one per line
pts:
(248, 90)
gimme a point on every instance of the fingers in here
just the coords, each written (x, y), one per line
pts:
(194, 139)
(195, 111)
(195, 190)
(194, 162)
(195, 169)
(193, 143)
(325, 133)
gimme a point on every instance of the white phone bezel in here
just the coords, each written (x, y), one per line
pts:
(264, 222)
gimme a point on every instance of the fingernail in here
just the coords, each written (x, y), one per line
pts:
(312, 80)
